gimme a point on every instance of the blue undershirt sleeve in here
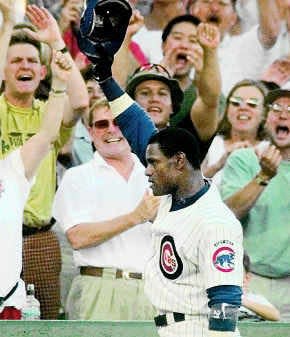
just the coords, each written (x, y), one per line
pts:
(224, 303)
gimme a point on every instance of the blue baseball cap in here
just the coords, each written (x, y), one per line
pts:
(104, 22)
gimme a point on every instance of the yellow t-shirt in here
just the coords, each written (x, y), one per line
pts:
(16, 126)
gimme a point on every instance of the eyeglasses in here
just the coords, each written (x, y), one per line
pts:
(152, 66)
(277, 108)
(104, 123)
(238, 101)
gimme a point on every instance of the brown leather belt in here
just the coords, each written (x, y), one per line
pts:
(98, 272)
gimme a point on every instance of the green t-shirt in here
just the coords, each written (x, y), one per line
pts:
(189, 98)
(267, 224)
(16, 126)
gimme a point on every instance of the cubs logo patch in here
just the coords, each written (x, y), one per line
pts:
(1, 188)
(224, 259)
(170, 262)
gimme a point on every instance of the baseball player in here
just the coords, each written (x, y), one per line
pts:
(194, 278)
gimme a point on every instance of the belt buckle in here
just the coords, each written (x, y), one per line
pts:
(125, 275)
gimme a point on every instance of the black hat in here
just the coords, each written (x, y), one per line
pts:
(275, 94)
(106, 22)
(153, 73)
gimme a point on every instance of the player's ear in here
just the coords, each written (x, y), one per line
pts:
(180, 159)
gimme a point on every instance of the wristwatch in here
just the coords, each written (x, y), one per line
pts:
(260, 180)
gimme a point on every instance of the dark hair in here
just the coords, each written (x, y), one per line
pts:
(178, 19)
(225, 127)
(19, 36)
(172, 140)
(246, 262)
(87, 73)
(270, 85)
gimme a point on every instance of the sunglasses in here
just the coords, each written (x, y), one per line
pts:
(152, 66)
(104, 123)
(238, 101)
(277, 108)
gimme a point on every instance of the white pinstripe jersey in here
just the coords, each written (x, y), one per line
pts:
(195, 248)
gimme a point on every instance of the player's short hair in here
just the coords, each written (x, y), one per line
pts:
(87, 73)
(178, 19)
(172, 140)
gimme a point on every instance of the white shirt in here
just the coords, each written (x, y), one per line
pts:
(94, 192)
(150, 41)
(14, 189)
(243, 56)
(217, 149)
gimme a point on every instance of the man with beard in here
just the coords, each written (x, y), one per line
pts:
(256, 188)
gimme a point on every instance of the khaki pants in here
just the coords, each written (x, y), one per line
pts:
(276, 291)
(108, 298)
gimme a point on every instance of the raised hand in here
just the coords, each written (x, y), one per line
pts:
(70, 13)
(47, 27)
(61, 66)
(6, 8)
(135, 23)
(147, 208)
(208, 36)
(269, 161)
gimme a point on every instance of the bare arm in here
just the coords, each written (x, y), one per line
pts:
(210, 171)
(34, 150)
(270, 22)
(91, 234)
(268, 312)
(48, 32)
(242, 201)
(204, 112)
(124, 62)
(5, 33)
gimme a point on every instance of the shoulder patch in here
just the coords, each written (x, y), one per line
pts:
(170, 262)
(224, 259)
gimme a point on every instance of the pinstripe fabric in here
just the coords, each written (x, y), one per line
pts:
(187, 243)
(41, 266)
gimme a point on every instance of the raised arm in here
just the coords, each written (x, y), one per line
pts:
(6, 32)
(48, 32)
(34, 150)
(124, 61)
(204, 112)
(270, 22)
(244, 199)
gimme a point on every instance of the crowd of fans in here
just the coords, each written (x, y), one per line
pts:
(217, 68)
